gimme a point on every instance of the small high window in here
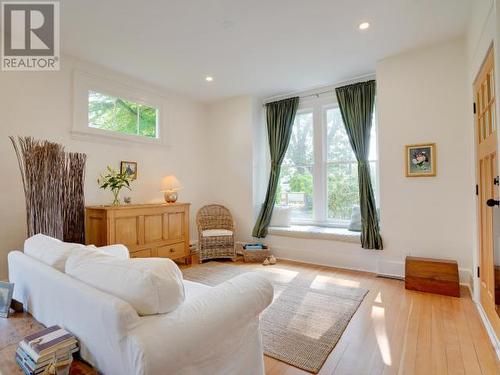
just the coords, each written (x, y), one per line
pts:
(120, 115)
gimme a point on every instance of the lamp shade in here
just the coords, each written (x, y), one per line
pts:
(170, 183)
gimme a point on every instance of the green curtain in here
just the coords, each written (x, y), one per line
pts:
(356, 104)
(280, 117)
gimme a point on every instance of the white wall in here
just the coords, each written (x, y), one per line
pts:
(39, 104)
(422, 97)
(230, 142)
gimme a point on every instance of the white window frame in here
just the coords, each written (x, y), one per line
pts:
(318, 106)
(84, 82)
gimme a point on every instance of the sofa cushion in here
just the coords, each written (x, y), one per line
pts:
(149, 285)
(117, 250)
(216, 232)
(51, 251)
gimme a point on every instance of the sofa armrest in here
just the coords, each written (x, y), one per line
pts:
(211, 325)
(100, 321)
(241, 298)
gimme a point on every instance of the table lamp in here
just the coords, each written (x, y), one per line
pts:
(169, 186)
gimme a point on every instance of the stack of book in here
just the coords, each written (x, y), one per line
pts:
(51, 347)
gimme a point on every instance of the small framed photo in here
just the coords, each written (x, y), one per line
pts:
(420, 160)
(6, 290)
(129, 167)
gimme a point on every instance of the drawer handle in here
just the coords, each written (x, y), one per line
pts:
(172, 250)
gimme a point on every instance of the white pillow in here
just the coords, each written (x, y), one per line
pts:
(281, 216)
(50, 251)
(117, 250)
(149, 285)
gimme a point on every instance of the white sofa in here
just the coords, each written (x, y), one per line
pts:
(214, 331)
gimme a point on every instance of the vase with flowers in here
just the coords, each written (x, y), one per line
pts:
(115, 181)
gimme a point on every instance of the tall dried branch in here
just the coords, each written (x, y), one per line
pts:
(44, 174)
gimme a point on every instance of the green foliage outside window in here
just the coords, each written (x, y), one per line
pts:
(341, 169)
(120, 115)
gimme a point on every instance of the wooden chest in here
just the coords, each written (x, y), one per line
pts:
(432, 275)
(148, 230)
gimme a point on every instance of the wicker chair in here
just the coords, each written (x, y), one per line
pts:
(215, 233)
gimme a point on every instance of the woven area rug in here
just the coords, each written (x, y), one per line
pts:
(307, 317)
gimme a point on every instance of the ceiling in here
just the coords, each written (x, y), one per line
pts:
(258, 47)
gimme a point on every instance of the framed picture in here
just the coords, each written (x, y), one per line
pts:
(129, 167)
(6, 290)
(420, 160)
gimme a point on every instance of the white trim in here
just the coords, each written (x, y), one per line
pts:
(489, 328)
(359, 259)
(84, 82)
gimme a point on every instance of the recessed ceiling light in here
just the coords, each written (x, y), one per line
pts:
(364, 25)
(209, 78)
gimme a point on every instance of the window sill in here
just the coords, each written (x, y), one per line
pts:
(316, 232)
(107, 137)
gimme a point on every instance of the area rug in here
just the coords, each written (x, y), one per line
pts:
(307, 317)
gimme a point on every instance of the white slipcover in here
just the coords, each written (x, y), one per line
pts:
(50, 251)
(215, 330)
(150, 285)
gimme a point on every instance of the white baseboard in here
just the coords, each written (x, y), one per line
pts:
(491, 332)
(368, 262)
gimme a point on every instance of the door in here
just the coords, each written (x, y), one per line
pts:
(487, 179)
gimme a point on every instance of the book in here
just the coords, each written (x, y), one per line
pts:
(25, 369)
(46, 342)
(44, 361)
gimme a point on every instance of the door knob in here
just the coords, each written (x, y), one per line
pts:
(492, 203)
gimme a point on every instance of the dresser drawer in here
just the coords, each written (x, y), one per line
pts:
(144, 253)
(174, 251)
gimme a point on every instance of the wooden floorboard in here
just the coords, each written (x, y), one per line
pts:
(394, 331)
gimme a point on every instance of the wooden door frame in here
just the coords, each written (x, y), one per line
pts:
(486, 310)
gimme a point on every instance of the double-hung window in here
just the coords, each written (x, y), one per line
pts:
(319, 174)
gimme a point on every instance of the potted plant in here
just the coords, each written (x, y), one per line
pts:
(115, 181)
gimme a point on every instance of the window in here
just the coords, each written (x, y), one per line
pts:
(115, 114)
(342, 168)
(120, 113)
(296, 179)
(319, 174)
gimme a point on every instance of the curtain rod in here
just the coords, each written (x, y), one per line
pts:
(317, 94)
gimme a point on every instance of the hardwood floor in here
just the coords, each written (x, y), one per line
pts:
(394, 331)
(397, 331)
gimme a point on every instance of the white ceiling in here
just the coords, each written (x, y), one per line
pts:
(258, 47)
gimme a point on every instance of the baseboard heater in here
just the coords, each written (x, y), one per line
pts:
(390, 277)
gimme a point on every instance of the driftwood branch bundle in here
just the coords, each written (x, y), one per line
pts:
(74, 199)
(50, 188)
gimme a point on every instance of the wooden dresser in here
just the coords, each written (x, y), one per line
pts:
(148, 230)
